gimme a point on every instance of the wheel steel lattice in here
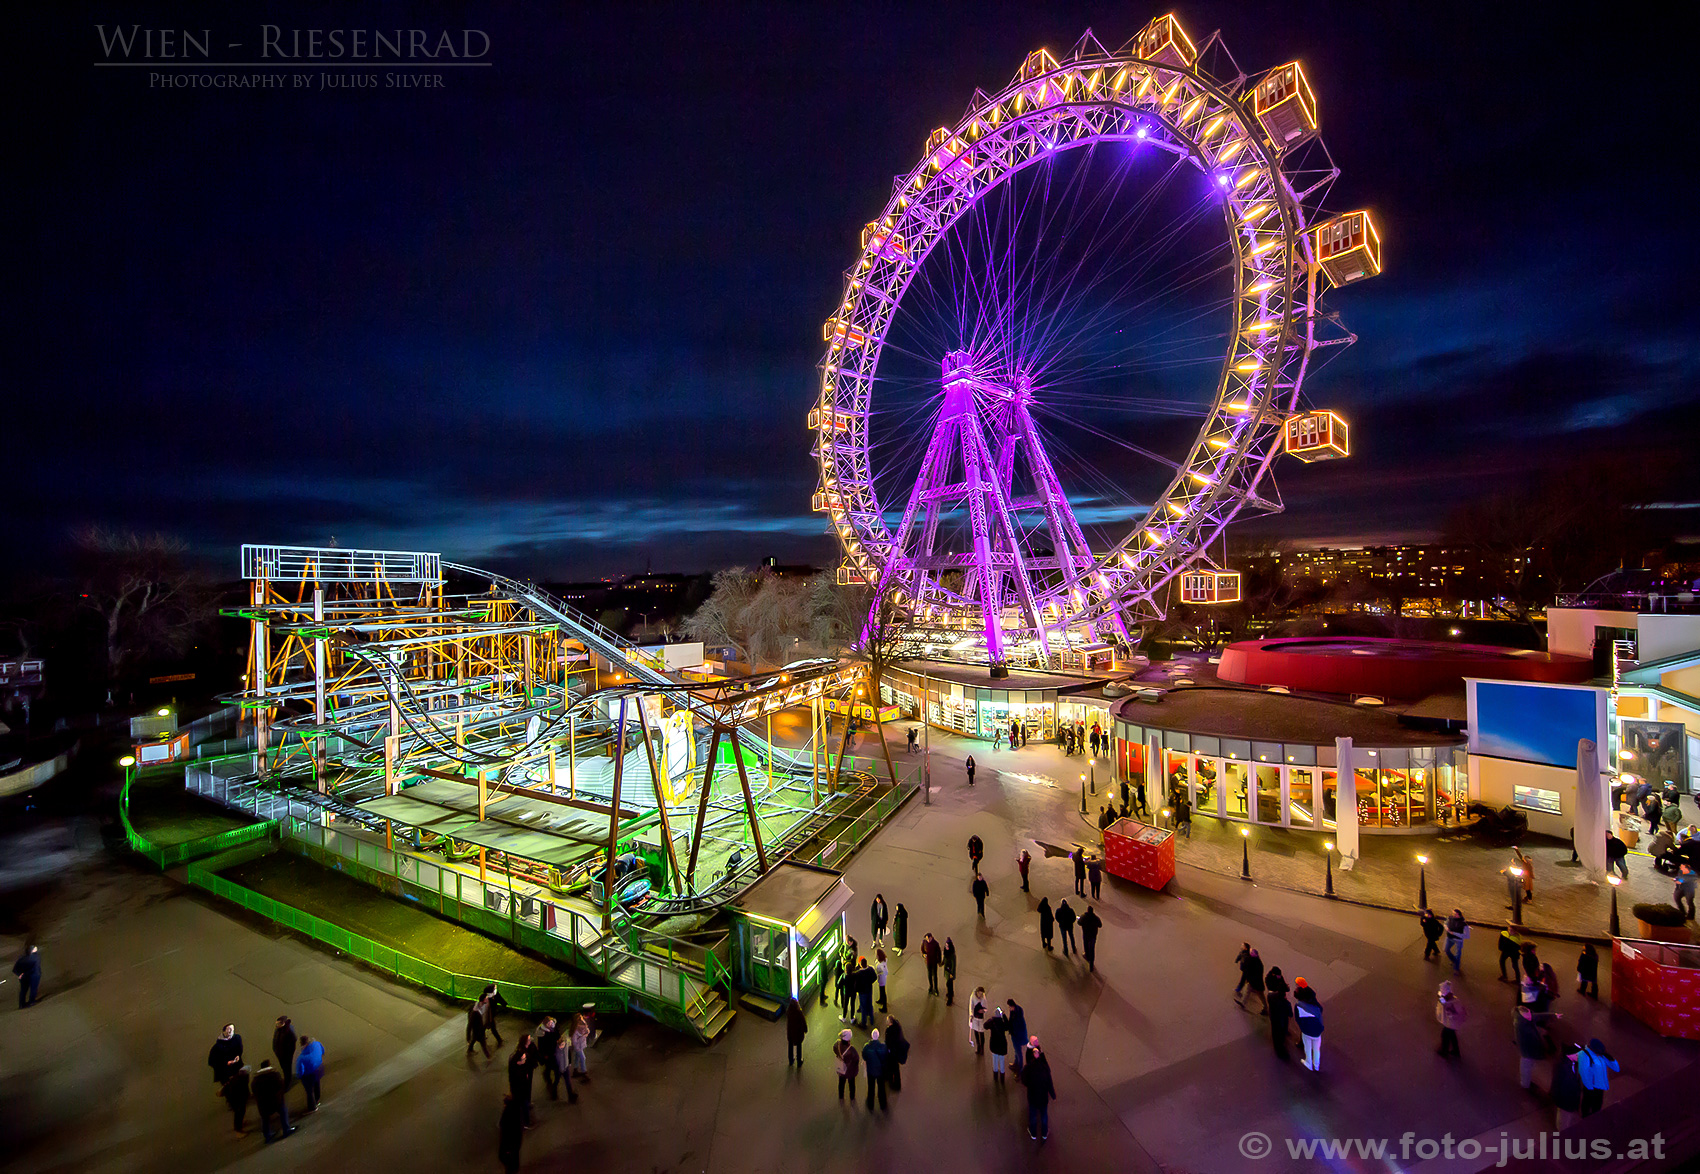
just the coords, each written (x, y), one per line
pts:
(1271, 178)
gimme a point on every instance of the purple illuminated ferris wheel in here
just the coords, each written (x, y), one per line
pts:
(1076, 340)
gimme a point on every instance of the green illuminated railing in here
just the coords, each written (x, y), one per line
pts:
(864, 825)
(404, 966)
(169, 855)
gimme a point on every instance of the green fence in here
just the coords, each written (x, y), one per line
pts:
(169, 855)
(404, 966)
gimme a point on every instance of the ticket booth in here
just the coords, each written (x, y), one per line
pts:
(785, 928)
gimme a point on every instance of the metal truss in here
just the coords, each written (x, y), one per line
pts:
(1272, 192)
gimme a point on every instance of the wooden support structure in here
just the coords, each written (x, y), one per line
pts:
(702, 807)
(749, 799)
(843, 745)
(614, 821)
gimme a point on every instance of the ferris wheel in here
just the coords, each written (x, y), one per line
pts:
(1076, 339)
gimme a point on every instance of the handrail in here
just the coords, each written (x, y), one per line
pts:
(166, 855)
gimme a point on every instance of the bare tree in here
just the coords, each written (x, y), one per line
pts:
(860, 621)
(723, 619)
(148, 600)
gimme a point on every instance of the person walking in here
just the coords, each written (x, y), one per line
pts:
(896, 1053)
(550, 1054)
(1090, 924)
(848, 1062)
(310, 1070)
(1307, 1009)
(970, 768)
(846, 985)
(269, 1101)
(1683, 895)
(1594, 1065)
(1183, 816)
(865, 979)
(882, 971)
(1450, 1014)
(28, 970)
(1065, 922)
(875, 1058)
(997, 1031)
(1280, 1010)
(975, 851)
(283, 1047)
(1094, 875)
(475, 1033)
(977, 1020)
(1432, 928)
(1531, 1043)
(225, 1056)
(1566, 1091)
(235, 1093)
(933, 955)
(1526, 872)
(1079, 858)
(522, 1062)
(1510, 950)
(579, 1040)
(1251, 981)
(1017, 1032)
(796, 1027)
(949, 973)
(1457, 931)
(997, 737)
(493, 1002)
(900, 929)
(1045, 922)
(1041, 1091)
(510, 1132)
(1588, 971)
(980, 889)
(879, 916)
(1022, 863)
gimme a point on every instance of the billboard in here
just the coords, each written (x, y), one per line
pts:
(1534, 723)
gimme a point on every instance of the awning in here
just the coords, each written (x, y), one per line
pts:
(822, 912)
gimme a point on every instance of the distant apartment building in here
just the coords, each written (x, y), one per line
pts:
(1443, 570)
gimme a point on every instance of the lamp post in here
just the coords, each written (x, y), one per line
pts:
(1092, 774)
(1616, 926)
(1165, 815)
(1328, 867)
(1245, 853)
(1516, 895)
(1083, 794)
(1422, 881)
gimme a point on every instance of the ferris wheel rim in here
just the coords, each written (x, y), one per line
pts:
(1194, 98)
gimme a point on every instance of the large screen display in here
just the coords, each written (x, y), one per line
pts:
(1532, 723)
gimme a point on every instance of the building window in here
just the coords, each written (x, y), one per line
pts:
(1536, 799)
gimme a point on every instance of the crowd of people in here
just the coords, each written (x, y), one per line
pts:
(556, 1046)
(300, 1059)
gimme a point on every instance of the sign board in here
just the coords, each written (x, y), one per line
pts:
(861, 710)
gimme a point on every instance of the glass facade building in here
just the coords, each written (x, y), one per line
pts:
(1296, 785)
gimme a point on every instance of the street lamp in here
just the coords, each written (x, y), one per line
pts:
(1616, 926)
(1328, 865)
(1516, 894)
(1165, 815)
(1083, 794)
(1092, 773)
(1245, 853)
(1422, 881)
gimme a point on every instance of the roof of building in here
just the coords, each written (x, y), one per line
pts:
(1227, 712)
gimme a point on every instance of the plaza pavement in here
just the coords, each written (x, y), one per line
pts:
(1156, 1068)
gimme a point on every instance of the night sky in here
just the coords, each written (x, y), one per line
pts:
(562, 313)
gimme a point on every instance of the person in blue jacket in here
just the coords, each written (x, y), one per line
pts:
(874, 1060)
(1307, 1009)
(310, 1069)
